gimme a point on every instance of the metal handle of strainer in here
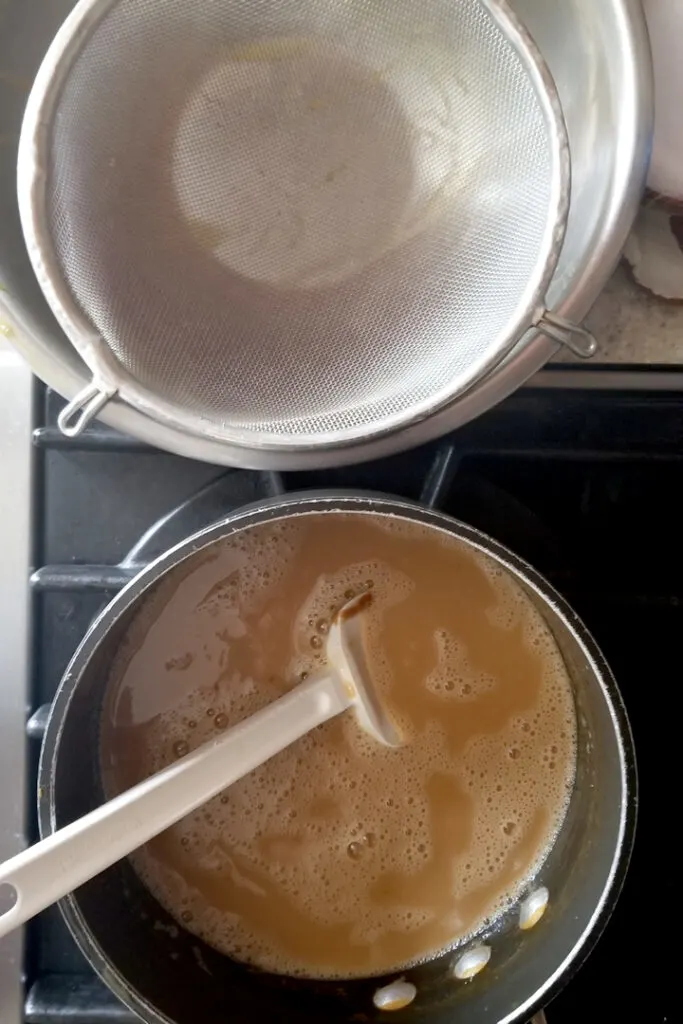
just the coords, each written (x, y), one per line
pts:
(84, 407)
(579, 340)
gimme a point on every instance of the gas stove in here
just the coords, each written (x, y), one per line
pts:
(581, 484)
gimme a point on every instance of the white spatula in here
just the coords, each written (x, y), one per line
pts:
(69, 857)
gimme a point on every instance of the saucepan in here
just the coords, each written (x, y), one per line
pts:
(168, 976)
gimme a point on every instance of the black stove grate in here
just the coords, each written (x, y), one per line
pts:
(582, 485)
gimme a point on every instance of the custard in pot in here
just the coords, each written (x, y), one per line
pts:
(340, 857)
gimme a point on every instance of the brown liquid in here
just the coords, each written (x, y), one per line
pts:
(341, 857)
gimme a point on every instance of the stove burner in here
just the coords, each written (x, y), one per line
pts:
(582, 485)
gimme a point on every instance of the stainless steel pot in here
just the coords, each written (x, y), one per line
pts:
(599, 55)
(166, 975)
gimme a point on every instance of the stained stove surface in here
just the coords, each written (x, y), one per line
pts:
(584, 486)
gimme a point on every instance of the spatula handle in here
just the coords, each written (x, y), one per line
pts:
(69, 857)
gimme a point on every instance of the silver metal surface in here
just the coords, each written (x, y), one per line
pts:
(292, 225)
(599, 56)
(16, 388)
(583, 872)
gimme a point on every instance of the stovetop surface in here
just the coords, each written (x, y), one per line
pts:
(583, 486)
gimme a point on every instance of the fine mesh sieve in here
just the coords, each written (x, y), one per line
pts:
(292, 223)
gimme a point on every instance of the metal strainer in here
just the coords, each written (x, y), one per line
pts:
(292, 223)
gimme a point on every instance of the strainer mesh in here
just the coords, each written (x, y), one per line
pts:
(300, 219)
